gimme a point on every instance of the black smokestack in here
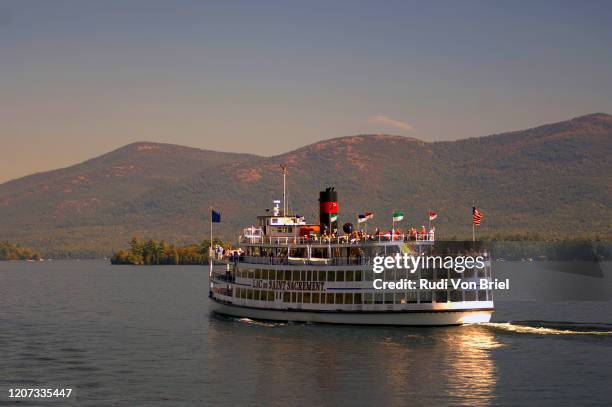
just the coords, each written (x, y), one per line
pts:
(328, 207)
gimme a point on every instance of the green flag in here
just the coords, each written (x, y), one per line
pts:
(397, 216)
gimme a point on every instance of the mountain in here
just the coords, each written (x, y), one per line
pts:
(69, 210)
(552, 180)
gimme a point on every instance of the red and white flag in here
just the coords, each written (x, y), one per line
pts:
(477, 216)
(432, 215)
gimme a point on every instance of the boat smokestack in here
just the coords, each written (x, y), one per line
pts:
(328, 210)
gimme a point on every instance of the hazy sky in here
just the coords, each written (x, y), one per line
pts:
(80, 78)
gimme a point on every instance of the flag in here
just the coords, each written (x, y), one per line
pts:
(398, 216)
(432, 215)
(365, 216)
(476, 216)
(215, 216)
(333, 217)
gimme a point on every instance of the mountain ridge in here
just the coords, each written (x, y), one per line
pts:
(164, 191)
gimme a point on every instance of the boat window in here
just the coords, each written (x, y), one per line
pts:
(303, 277)
(258, 274)
(456, 296)
(299, 252)
(441, 296)
(286, 296)
(331, 275)
(367, 298)
(378, 298)
(329, 298)
(357, 298)
(307, 297)
(389, 298)
(425, 296)
(249, 294)
(288, 275)
(400, 298)
(299, 297)
(270, 295)
(296, 275)
(427, 273)
(264, 274)
(340, 275)
(251, 273)
(357, 275)
(315, 298)
(470, 295)
(319, 252)
(322, 275)
(272, 274)
(412, 297)
(349, 275)
(293, 297)
(482, 295)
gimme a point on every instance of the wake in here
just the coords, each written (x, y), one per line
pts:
(552, 328)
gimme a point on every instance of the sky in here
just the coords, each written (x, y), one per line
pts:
(81, 78)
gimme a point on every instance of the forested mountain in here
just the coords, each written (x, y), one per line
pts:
(552, 180)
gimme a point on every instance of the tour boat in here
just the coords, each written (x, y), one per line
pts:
(289, 270)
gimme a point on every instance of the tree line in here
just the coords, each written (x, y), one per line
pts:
(152, 252)
(11, 251)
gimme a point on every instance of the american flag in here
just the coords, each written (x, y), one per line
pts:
(477, 216)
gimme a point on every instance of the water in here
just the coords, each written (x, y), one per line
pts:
(136, 336)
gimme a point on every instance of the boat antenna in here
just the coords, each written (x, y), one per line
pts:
(284, 167)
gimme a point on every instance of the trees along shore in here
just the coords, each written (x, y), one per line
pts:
(11, 251)
(152, 252)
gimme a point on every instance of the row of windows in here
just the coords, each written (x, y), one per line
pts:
(302, 275)
(354, 275)
(251, 294)
(410, 297)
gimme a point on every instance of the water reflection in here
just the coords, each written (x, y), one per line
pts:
(299, 364)
(472, 372)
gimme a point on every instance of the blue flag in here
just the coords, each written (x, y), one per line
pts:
(216, 216)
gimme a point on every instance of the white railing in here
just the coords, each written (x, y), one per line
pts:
(260, 238)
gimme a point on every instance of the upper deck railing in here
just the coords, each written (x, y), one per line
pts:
(256, 236)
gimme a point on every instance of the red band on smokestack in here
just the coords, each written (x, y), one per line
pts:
(329, 207)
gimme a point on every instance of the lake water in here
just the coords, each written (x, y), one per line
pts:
(143, 336)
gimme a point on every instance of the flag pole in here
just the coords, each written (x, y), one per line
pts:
(473, 227)
(429, 217)
(210, 245)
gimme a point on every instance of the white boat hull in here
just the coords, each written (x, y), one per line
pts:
(418, 318)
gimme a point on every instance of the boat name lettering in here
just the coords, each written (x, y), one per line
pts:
(284, 285)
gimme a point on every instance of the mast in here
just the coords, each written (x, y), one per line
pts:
(284, 167)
